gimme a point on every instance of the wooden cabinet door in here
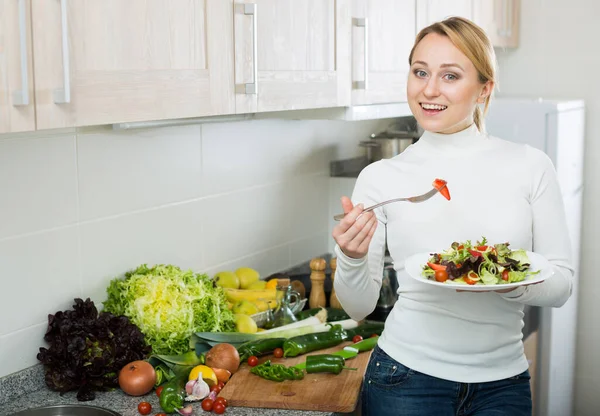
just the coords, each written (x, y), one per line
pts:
(500, 20)
(430, 11)
(109, 61)
(17, 112)
(291, 54)
(380, 66)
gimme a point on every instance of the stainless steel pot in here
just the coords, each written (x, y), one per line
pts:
(386, 145)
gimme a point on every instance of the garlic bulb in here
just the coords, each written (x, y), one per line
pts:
(196, 389)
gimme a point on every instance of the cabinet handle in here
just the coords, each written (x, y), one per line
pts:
(363, 22)
(509, 20)
(63, 95)
(250, 9)
(21, 97)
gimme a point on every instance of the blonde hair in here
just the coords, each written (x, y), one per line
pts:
(474, 43)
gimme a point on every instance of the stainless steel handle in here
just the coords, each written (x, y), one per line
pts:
(21, 97)
(364, 23)
(509, 20)
(250, 9)
(63, 95)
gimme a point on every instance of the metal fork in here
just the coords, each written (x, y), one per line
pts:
(414, 199)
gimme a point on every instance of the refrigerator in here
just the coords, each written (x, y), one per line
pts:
(556, 127)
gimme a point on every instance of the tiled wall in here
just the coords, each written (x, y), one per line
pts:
(78, 208)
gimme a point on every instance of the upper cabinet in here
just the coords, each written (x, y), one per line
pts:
(500, 19)
(17, 111)
(383, 33)
(291, 54)
(99, 62)
(430, 11)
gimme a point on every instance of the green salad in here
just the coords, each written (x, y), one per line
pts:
(478, 264)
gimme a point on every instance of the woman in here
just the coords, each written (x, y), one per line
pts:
(446, 352)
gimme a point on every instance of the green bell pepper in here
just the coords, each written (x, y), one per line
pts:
(173, 394)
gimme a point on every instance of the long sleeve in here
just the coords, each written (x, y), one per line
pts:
(358, 281)
(550, 239)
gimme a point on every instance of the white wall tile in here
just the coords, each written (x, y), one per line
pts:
(265, 262)
(40, 274)
(306, 248)
(18, 350)
(123, 171)
(245, 222)
(38, 183)
(309, 199)
(111, 247)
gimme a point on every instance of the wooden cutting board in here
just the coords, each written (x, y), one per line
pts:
(319, 392)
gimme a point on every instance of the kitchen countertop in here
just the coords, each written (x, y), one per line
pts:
(127, 405)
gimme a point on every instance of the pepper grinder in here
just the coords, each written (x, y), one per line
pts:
(317, 280)
(333, 300)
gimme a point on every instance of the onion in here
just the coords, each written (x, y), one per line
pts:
(223, 356)
(137, 378)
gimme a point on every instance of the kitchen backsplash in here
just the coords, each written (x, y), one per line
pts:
(80, 207)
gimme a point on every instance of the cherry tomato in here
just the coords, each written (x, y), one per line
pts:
(221, 400)
(219, 408)
(159, 390)
(144, 408)
(505, 275)
(221, 385)
(374, 336)
(252, 360)
(207, 404)
(357, 338)
(278, 353)
(471, 278)
(482, 248)
(441, 275)
(216, 388)
(161, 414)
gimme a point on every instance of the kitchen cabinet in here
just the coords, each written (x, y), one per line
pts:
(100, 62)
(500, 19)
(17, 111)
(430, 11)
(291, 54)
(383, 33)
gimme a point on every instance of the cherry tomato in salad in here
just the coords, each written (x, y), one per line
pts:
(441, 275)
(159, 390)
(357, 338)
(482, 248)
(471, 278)
(278, 352)
(221, 400)
(505, 275)
(475, 253)
(144, 408)
(207, 404)
(252, 360)
(219, 408)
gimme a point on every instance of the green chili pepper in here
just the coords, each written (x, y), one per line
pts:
(365, 330)
(173, 394)
(313, 342)
(325, 363)
(333, 314)
(350, 351)
(259, 347)
(277, 372)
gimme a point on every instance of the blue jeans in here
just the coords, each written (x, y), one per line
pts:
(390, 388)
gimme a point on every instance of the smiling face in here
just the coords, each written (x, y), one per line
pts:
(443, 86)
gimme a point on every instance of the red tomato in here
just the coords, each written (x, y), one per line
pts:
(278, 353)
(442, 186)
(207, 404)
(159, 390)
(219, 408)
(482, 248)
(161, 414)
(144, 408)
(475, 253)
(221, 385)
(374, 336)
(505, 275)
(460, 247)
(252, 360)
(441, 275)
(471, 278)
(216, 388)
(221, 400)
(357, 338)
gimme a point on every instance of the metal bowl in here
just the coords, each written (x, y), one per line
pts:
(67, 410)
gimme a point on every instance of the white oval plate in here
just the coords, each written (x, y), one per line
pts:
(414, 266)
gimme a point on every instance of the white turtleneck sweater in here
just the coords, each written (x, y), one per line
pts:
(504, 191)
